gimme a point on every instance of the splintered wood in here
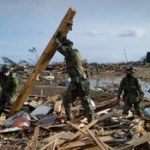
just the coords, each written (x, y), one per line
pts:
(49, 131)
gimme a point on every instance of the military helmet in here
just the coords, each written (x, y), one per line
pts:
(5, 68)
(67, 42)
(130, 69)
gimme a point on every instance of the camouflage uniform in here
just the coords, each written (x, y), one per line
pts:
(79, 85)
(132, 94)
(9, 87)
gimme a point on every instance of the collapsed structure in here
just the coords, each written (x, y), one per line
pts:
(38, 122)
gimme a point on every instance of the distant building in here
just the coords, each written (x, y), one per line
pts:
(148, 57)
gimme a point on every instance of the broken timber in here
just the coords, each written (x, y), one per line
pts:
(42, 63)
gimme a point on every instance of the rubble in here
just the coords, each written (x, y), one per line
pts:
(41, 123)
(48, 129)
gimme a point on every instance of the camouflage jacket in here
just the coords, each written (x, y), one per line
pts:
(73, 59)
(131, 88)
(8, 84)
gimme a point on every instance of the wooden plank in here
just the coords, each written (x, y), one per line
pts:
(77, 128)
(49, 144)
(10, 148)
(85, 133)
(42, 63)
(127, 121)
(78, 133)
(35, 138)
(138, 129)
(54, 146)
(34, 141)
(57, 107)
(76, 144)
(51, 98)
(92, 148)
(55, 136)
(67, 136)
(39, 96)
(100, 144)
(2, 118)
(105, 145)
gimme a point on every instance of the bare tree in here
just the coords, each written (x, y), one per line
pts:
(34, 51)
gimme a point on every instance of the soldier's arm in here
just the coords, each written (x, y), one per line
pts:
(60, 47)
(14, 84)
(78, 58)
(121, 87)
(140, 88)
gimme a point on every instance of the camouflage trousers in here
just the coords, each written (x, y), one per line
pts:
(127, 106)
(82, 90)
(7, 98)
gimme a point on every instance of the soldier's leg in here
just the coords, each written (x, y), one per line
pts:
(89, 110)
(68, 98)
(137, 109)
(126, 107)
(84, 95)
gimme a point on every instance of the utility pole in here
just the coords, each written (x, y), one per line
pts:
(125, 56)
(43, 61)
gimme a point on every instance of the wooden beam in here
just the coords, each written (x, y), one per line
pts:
(85, 133)
(42, 63)
(35, 138)
(34, 141)
(77, 144)
(78, 133)
(77, 128)
(99, 143)
(49, 144)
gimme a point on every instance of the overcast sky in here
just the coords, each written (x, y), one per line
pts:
(102, 29)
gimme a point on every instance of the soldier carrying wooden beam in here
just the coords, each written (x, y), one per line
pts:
(79, 85)
(42, 63)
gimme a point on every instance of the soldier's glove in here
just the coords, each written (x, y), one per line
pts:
(119, 100)
(59, 35)
(57, 43)
(58, 39)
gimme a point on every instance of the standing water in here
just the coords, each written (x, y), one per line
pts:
(107, 83)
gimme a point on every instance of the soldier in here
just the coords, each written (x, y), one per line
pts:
(132, 92)
(8, 83)
(79, 85)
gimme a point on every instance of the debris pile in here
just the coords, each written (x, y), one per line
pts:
(41, 125)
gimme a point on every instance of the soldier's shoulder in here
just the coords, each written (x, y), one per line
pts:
(135, 78)
(76, 50)
(14, 75)
(124, 78)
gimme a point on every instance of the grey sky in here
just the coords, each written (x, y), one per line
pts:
(102, 28)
